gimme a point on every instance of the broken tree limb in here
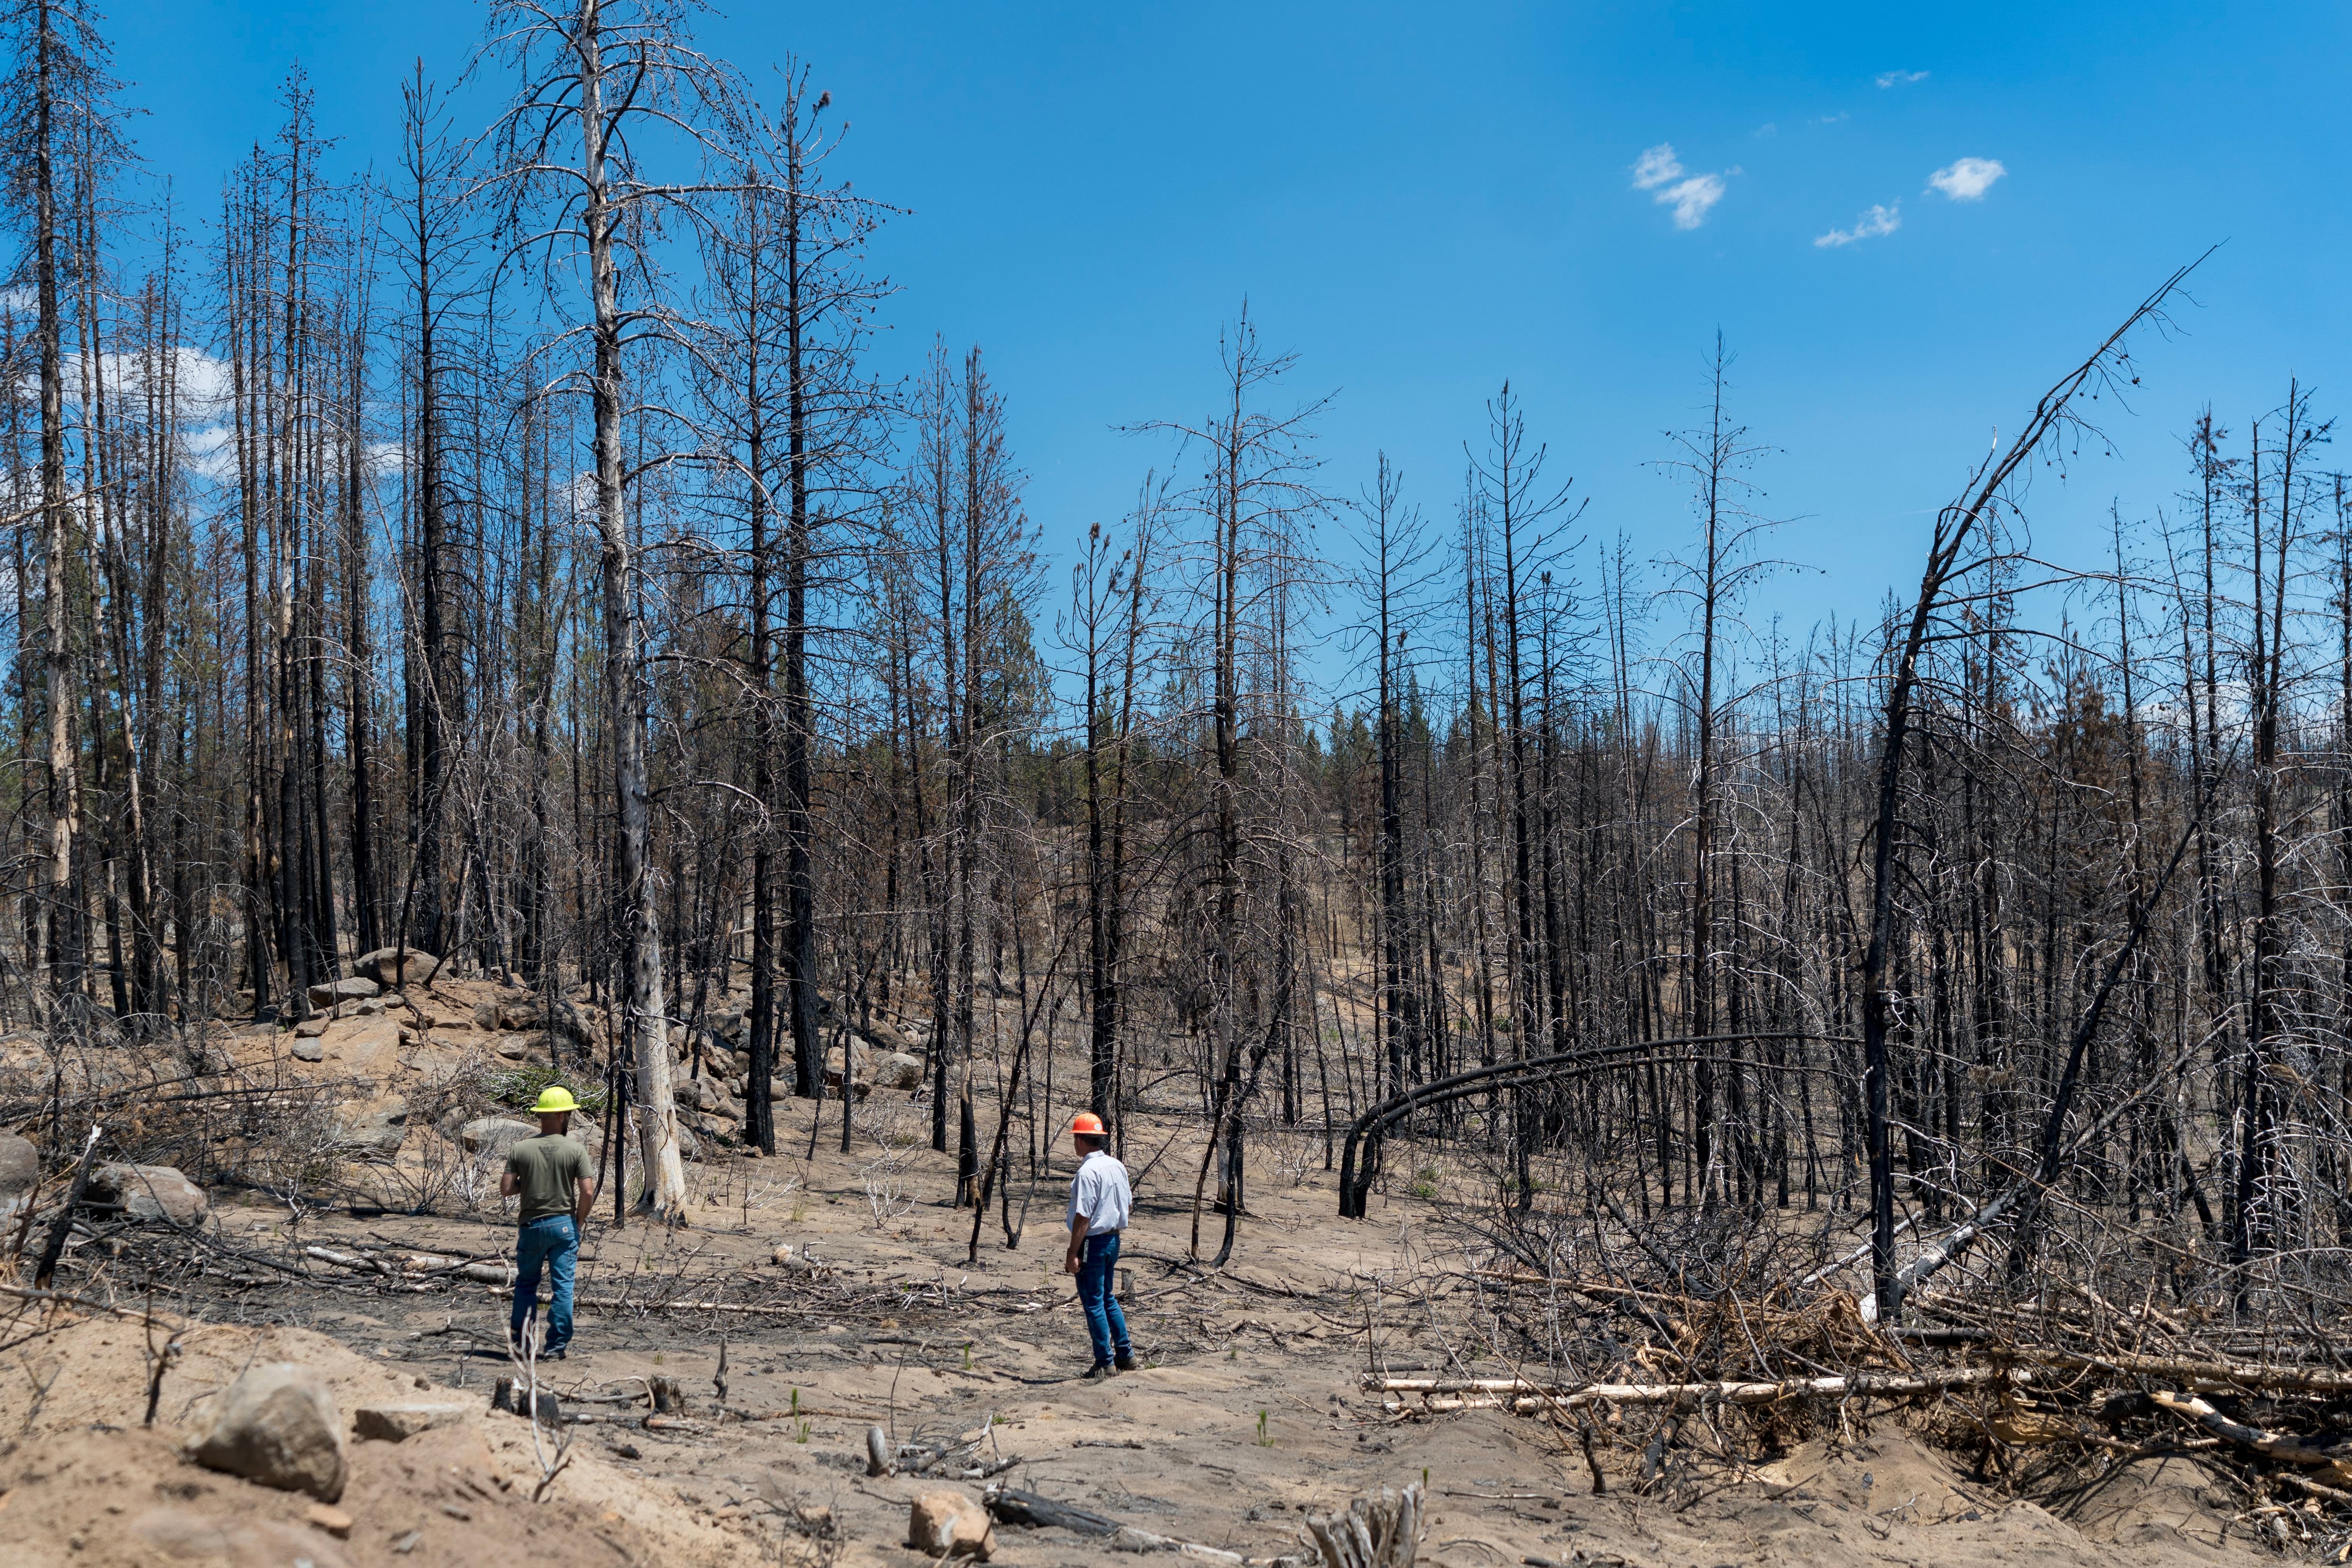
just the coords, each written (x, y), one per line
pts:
(2283, 1447)
(2215, 1376)
(1032, 1511)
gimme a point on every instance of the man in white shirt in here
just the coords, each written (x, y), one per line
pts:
(1101, 1202)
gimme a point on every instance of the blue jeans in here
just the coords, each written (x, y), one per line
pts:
(552, 1242)
(1105, 1324)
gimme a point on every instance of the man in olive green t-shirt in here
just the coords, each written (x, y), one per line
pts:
(552, 1176)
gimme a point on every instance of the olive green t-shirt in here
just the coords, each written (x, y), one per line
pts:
(545, 1166)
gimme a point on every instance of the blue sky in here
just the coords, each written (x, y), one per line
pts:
(1420, 201)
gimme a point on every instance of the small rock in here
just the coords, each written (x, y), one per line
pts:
(514, 1048)
(330, 1519)
(328, 993)
(309, 1049)
(20, 1172)
(398, 1422)
(950, 1524)
(311, 1027)
(278, 1424)
(150, 1193)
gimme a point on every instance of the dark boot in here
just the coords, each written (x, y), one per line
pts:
(1125, 1361)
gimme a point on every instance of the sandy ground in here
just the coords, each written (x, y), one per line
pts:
(1249, 1412)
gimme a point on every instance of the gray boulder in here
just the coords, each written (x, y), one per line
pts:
(20, 1173)
(150, 1192)
(704, 1094)
(327, 993)
(861, 1063)
(418, 969)
(278, 1424)
(895, 1070)
(519, 1047)
(307, 1049)
(494, 1134)
(883, 1035)
(311, 1028)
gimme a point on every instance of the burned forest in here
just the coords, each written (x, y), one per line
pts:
(1609, 1074)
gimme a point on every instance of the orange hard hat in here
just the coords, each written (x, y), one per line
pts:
(1089, 1124)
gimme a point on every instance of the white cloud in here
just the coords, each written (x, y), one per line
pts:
(1656, 166)
(1900, 78)
(1967, 179)
(1878, 220)
(1692, 196)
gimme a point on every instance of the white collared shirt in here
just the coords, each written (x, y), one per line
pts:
(1099, 1190)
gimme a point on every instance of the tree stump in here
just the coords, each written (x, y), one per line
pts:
(1380, 1530)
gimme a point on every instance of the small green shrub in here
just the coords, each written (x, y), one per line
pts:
(520, 1086)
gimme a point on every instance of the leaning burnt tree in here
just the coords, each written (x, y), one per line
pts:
(1967, 533)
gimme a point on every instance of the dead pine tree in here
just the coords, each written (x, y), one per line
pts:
(1255, 502)
(569, 176)
(1711, 583)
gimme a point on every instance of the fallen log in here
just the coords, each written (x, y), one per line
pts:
(650, 1304)
(1526, 1394)
(422, 1263)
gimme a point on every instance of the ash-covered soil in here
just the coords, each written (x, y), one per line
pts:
(1249, 1414)
(840, 1294)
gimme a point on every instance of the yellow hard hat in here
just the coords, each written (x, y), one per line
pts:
(553, 1099)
